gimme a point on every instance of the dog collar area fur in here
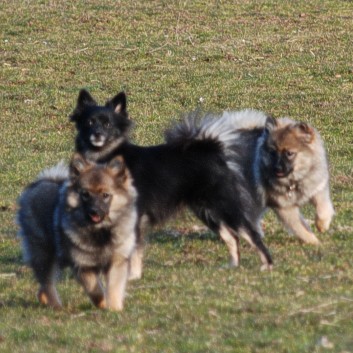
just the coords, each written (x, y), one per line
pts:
(290, 190)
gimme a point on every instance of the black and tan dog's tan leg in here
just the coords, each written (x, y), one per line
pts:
(232, 242)
(254, 238)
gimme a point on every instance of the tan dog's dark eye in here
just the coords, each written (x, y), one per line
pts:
(290, 154)
(106, 196)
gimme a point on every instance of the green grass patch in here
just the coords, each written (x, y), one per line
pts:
(286, 58)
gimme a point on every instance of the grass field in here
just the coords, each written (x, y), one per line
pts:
(286, 58)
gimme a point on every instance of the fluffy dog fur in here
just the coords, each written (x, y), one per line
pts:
(190, 169)
(228, 169)
(83, 217)
(283, 160)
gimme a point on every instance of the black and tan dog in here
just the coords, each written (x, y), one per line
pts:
(83, 216)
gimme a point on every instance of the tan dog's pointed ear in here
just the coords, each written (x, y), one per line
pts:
(78, 165)
(305, 132)
(270, 123)
(117, 167)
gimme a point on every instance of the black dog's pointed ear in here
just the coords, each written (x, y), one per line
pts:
(270, 123)
(118, 103)
(84, 99)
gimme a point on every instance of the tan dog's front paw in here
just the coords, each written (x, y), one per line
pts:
(322, 225)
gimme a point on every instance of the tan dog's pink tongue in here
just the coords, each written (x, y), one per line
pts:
(95, 218)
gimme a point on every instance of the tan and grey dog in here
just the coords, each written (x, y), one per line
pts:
(294, 171)
(84, 217)
(284, 160)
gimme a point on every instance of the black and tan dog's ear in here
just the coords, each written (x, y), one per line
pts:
(118, 103)
(117, 165)
(78, 165)
(117, 169)
(270, 123)
(305, 132)
(84, 99)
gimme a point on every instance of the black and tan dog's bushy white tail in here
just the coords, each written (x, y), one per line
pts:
(223, 128)
(227, 129)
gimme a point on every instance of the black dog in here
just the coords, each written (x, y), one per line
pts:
(189, 170)
(104, 129)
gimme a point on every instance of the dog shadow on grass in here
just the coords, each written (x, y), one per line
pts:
(176, 236)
